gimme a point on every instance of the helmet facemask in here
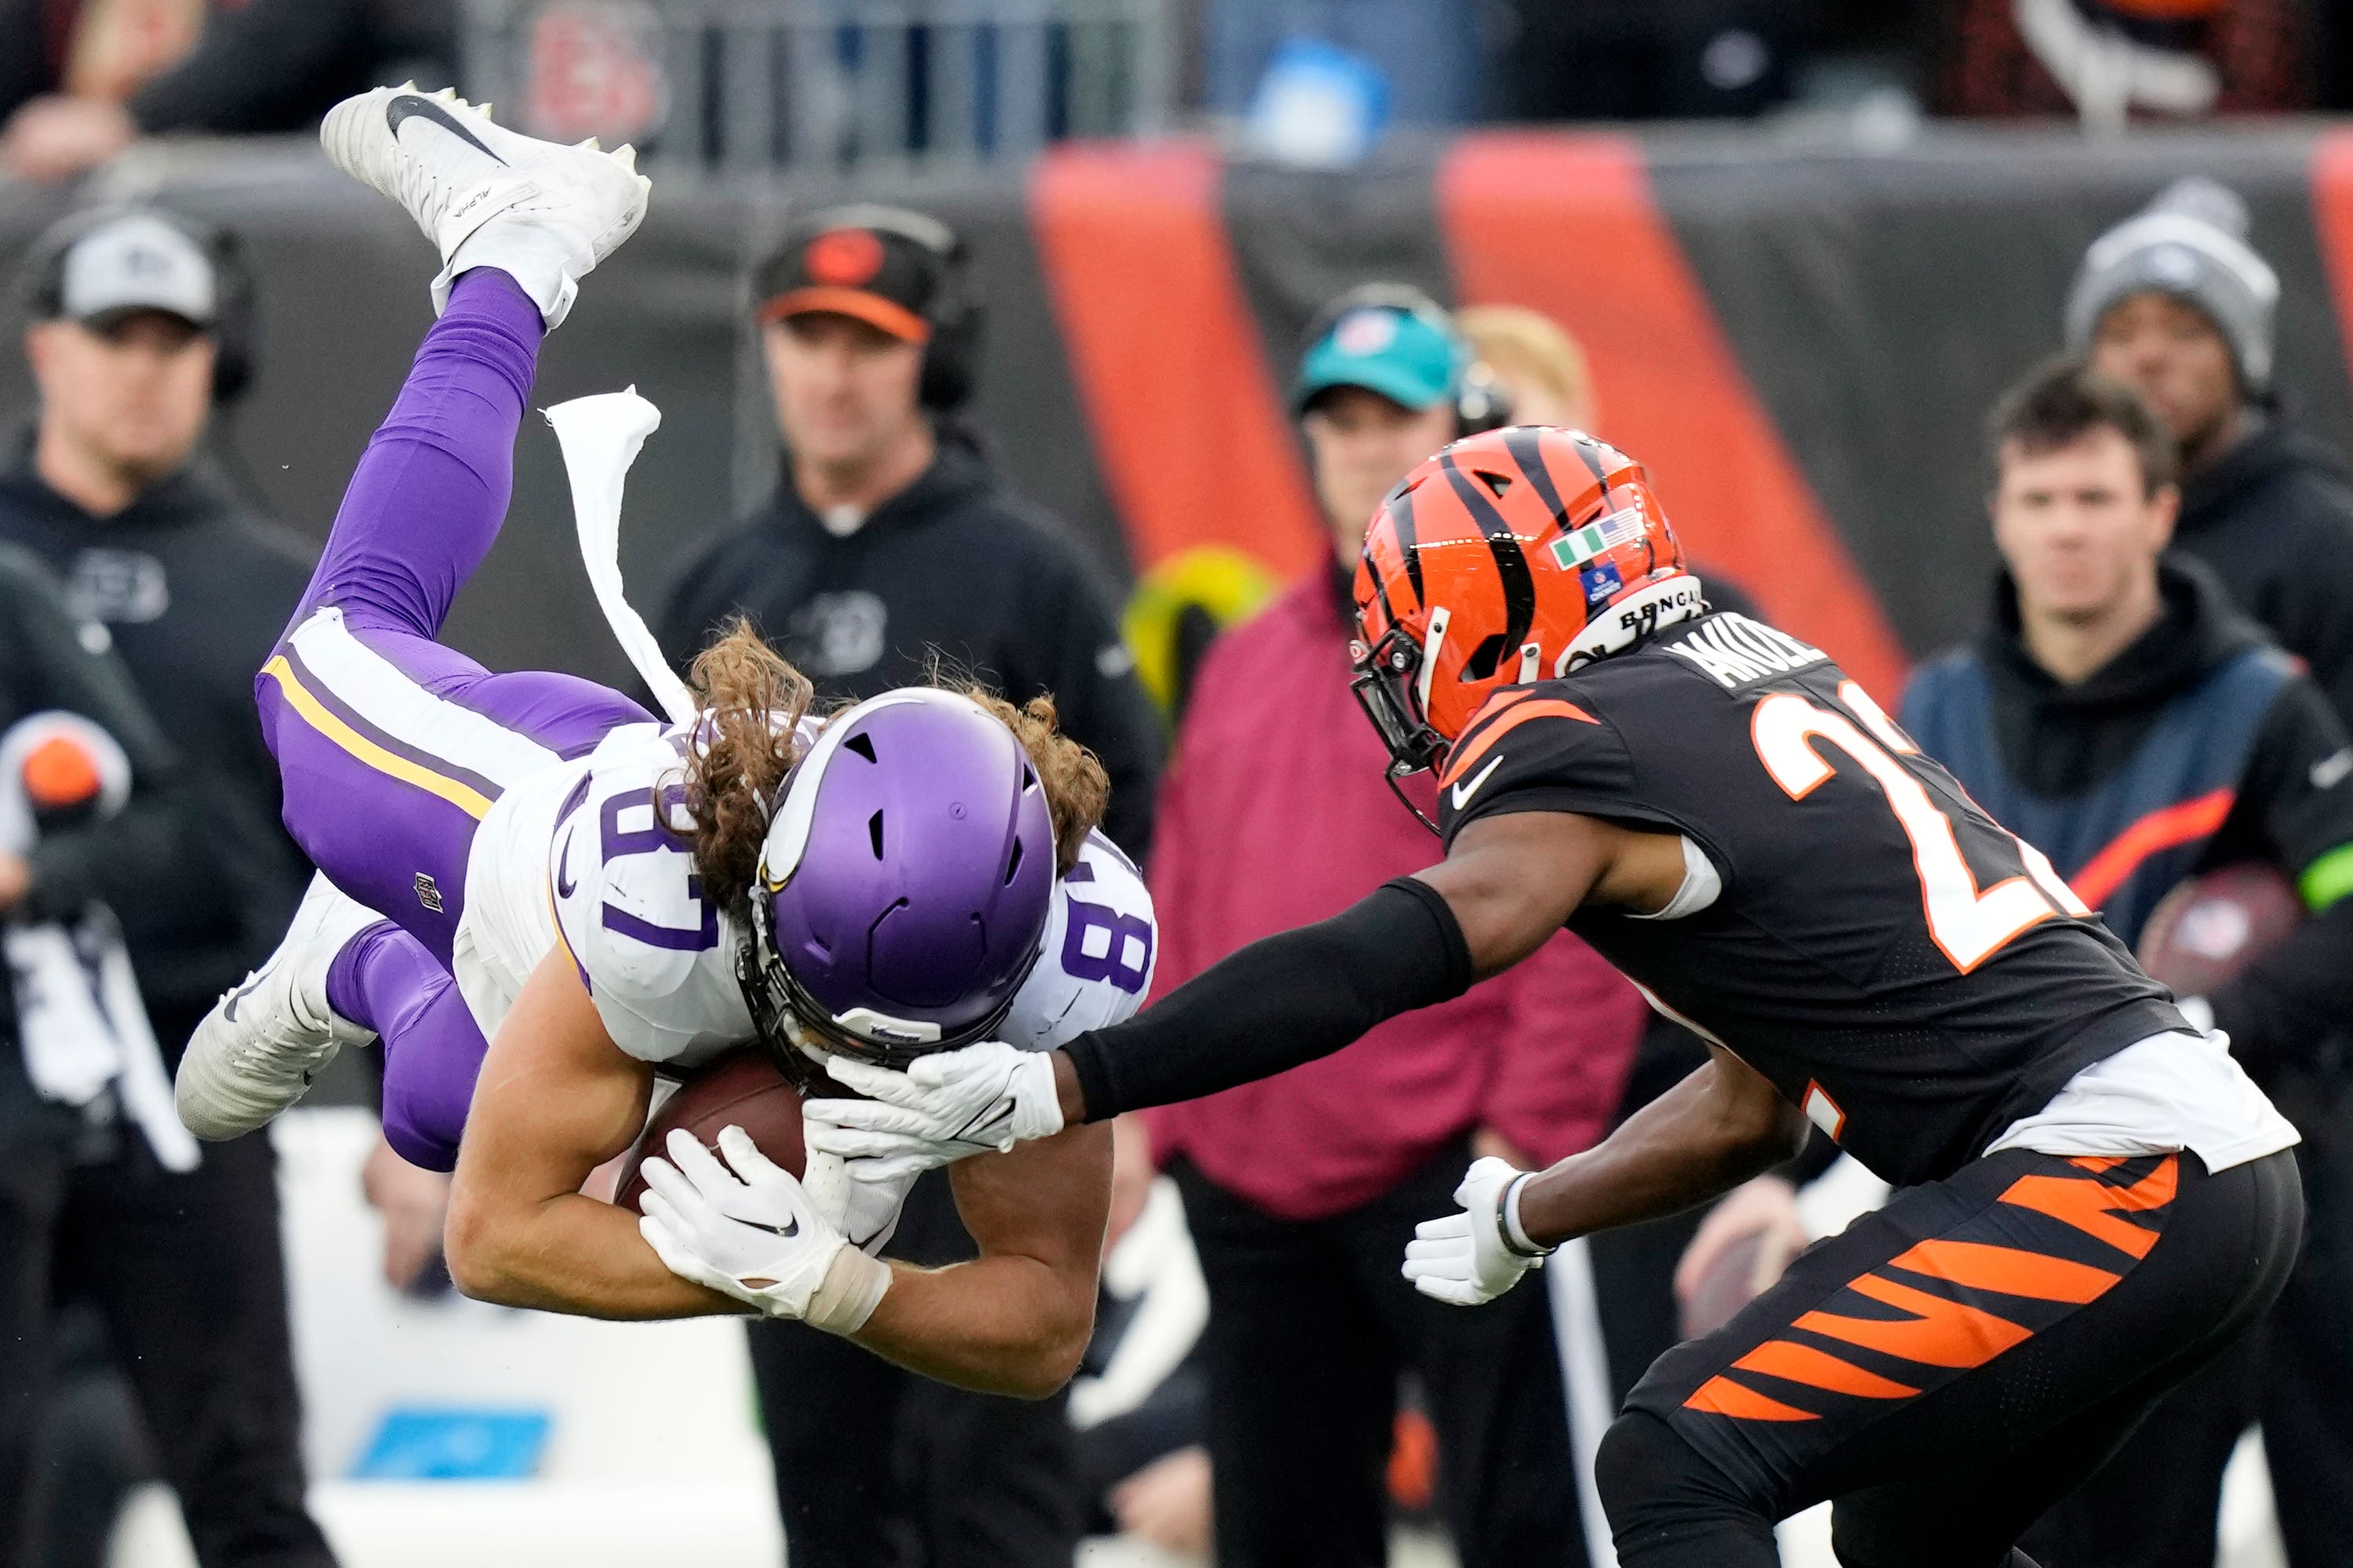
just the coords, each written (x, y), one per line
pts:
(1387, 685)
(904, 884)
(1543, 549)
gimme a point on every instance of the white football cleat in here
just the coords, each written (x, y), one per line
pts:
(257, 1051)
(544, 213)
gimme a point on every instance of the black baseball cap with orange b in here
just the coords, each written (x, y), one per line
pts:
(887, 267)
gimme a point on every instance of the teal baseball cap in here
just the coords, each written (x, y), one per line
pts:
(1408, 356)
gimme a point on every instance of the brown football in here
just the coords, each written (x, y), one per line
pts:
(2207, 929)
(1729, 1284)
(742, 1089)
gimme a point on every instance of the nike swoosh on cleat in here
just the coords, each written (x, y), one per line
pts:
(411, 106)
(229, 1002)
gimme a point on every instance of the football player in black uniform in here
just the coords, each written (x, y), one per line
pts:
(2096, 1201)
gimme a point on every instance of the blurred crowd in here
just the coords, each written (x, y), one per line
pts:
(80, 80)
(143, 1317)
(1317, 1398)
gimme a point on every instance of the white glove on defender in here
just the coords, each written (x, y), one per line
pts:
(752, 1233)
(1464, 1260)
(980, 1100)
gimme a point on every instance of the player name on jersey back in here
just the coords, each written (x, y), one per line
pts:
(1735, 650)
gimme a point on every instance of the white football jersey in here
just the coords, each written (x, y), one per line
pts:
(575, 856)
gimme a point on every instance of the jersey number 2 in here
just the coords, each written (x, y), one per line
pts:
(1971, 925)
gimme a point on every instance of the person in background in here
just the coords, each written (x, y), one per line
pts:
(138, 324)
(1302, 1191)
(889, 550)
(2108, 61)
(81, 81)
(2114, 688)
(1141, 1400)
(2174, 304)
(1426, 52)
(1542, 369)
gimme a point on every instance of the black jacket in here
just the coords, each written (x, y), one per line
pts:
(196, 593)
(2274, 520)
(267, 65)
(957, 568)
(152, 852)
(2293, 792)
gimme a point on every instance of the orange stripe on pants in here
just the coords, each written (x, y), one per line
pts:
(1938, 1333)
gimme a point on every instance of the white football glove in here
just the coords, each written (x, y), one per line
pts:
(980, 1100)
(866, 1213)
(752, 1233)
(1464, 1260)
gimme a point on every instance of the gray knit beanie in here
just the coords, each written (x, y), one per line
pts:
(2191, 243)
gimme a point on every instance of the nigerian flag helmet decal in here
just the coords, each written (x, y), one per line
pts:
(1599, 538)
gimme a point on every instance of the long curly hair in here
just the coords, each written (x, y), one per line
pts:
(752, 702)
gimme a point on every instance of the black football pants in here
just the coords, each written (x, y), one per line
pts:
(1951, 1365)
(877, 1467)
(187, 1272)
(1310, 1326)
(2155, 1504)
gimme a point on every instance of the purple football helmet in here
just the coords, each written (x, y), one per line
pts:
(904, 883)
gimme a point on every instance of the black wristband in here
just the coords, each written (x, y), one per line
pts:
(1094, 1071)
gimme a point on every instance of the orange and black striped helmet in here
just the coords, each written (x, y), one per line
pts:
(1511, 556)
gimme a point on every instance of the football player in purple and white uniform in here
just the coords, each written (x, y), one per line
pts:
(536, 894)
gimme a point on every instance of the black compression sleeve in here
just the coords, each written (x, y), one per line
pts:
(1281, 1001)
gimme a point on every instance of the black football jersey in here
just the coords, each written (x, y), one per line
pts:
(1886, 953)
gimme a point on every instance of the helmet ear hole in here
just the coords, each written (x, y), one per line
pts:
(1483, 659)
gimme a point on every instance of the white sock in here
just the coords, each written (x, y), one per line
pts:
(539, 260)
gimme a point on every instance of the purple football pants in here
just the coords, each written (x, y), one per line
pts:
(391, 747)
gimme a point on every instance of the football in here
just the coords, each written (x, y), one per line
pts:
(1729, 1284)
(742, 1089)
(2207, 930)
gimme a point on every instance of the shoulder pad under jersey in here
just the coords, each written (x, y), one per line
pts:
(657, 957)
(1100, 947)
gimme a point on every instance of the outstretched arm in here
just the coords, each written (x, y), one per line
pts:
(1720, 1126)
(1016, 1319)
(1510, 882)
(555, 1099)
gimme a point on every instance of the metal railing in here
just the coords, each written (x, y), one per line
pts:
(746, 85)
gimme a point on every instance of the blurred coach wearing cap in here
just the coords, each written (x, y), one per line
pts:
(1303, 1191)
(888, 546)
(138, 323)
